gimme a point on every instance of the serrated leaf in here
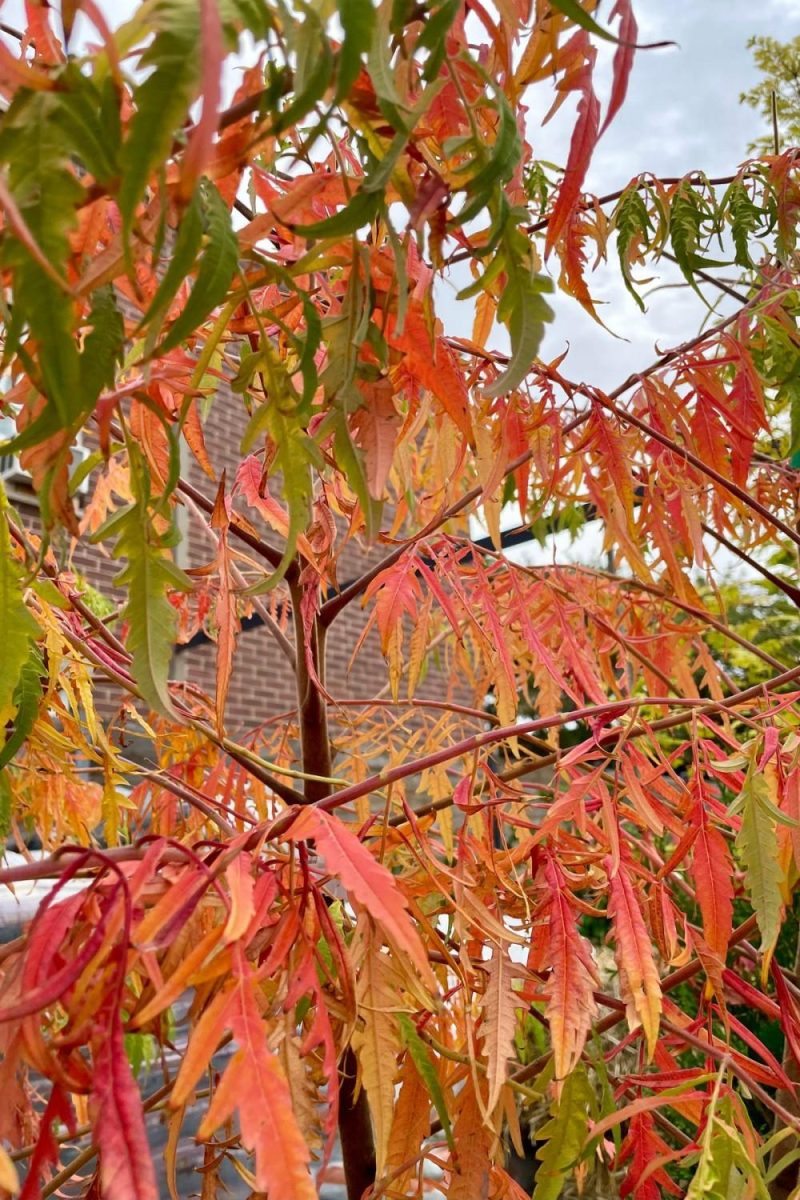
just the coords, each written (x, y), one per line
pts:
(126, 1166)
(367, 880)
(103, 345)
(255, 1085)
(757, 843)
(564, 1135)
(89, 118)
(713, 874)
(25, 700)
(499, 1004)
(46, 192)
(571, 1007)
(148, 576)
(163, 99)
(423, 1062)
(215, 271)
(497, 167)
(376, 1040)
(17, 624)
(294, 457)
(526, 313)
(641, 988)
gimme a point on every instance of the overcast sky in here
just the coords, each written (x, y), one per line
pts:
(682, 114)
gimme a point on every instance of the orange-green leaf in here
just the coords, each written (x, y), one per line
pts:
(641, 989)
(376, 1039)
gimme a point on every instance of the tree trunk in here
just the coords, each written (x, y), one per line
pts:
(355, 1124)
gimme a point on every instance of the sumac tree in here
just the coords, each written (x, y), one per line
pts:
(423, 923)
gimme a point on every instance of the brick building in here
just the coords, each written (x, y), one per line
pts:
(262, 684)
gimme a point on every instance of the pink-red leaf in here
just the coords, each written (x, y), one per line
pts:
(126, 1168)
(623, 58)
(584, 139)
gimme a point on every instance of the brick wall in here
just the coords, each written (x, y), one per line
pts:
(262, 684)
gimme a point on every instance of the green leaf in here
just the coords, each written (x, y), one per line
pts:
(162, 101)
(745, 218)
(27, 695)
(351, 462)
(313, 69)
(726, 1170)
(422, 1060)
(434, 36)
(89, 118)
(578, 16)
(632, 222)
(36, 155)
(564, 1135)
(18, 626)
(381, 71)
(757, 843)
(217, 266)
(184, 253)
(358, 23)
(359, 212)
(5, 806)
(148, 576)
(498, 167)
(103, 346)
(295, 453)
(525, 312)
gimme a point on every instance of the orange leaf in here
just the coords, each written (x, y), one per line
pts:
(713, 876)
(367, 880)
(570, 1007)
(584, 139)
(254, 1083)
(434, 366)
(410, 1125)
(641, 989)
(499, 1003)
(201, 1047)
(470, 1180)
(242, 888)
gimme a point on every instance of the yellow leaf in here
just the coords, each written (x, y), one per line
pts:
(376, 1040)
(9, 1180)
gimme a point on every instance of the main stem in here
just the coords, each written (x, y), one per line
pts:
(355, 1125)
